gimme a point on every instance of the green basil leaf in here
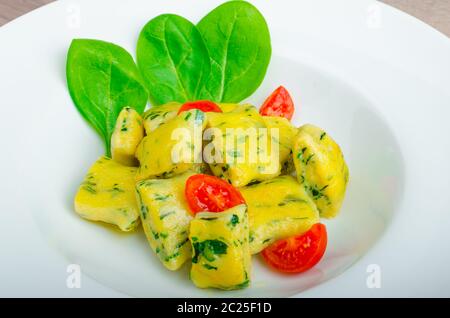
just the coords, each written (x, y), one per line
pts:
(102, 79)
(238, 41)
(173, 60)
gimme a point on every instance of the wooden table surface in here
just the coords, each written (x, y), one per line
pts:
(434, 12)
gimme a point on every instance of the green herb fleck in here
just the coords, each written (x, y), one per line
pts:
(162, 216)
(301, 153)
(209, 219)
(115, 190)
(234, 220)
(174, 255)
(208, 249)
(207, 266)
(291, 199)
(143, 207)
(161, 197)
(182, 243)
(154, 116)
(89, 185)
(317, 193)
(253, 182)
(309, 158)
(124, 124)
(187, 116)
(243, 284)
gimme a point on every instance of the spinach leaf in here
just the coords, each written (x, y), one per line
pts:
(102, 79)
(173, 60)
(238, 41)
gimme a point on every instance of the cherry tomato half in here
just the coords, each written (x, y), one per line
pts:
(208, 193)
(203, 105)
(278, 104)
(297, 253)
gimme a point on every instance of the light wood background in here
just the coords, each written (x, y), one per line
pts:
(434, 12)
(11, 9)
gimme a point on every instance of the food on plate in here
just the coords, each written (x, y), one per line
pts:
(277, 208)
(155, 152)
(212, 180)
(126, 137)
(107, 195)
(298, 253)
(279, 215)
(221, 255)
(321, 169)
(165, 218)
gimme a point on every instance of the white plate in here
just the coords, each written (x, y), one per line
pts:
(375, 78)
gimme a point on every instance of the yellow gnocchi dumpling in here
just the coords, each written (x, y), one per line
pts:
(172, 148)
(126, 137)
(107, 195)
(286, 135)
(221, 256)
(321, 169)
(165, 218)
(277, 209)
(239, 148)
(159, 115)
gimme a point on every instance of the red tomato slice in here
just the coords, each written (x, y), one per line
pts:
(298, 253)
(203, 105)
(278, 104)
(208, 193)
